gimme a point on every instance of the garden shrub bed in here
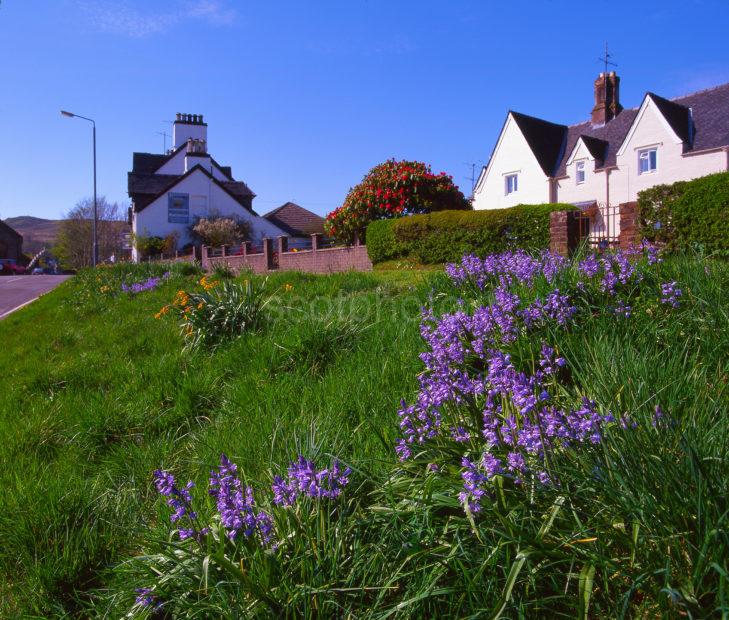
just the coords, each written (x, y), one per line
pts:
(445, 236)
(688, 215)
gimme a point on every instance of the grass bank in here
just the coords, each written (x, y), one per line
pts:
(633, 524)
(97, 394)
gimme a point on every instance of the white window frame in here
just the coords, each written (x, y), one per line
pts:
(644, 154)
(514, 185)
(580, 169)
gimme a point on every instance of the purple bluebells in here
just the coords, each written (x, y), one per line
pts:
(469, 367)
(146, 598)
(236, 505)
(179, 499)
(670, 294)
(148, 285)
(304, 479)
(505, 269)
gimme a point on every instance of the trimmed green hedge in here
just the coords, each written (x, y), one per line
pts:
(688, 215)
(445, 236)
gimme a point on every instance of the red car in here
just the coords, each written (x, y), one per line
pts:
(10, 267)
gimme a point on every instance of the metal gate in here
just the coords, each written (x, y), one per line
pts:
(599, 226)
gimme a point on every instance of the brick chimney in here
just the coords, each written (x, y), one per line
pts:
(607, 98)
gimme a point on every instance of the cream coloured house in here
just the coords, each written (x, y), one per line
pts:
(611, 157)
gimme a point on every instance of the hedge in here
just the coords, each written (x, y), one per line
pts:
(445, 236)
(688, 215)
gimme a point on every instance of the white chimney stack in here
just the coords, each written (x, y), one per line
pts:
(188, 126)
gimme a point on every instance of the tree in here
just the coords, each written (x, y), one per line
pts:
(75, 237)
(393, 189)
(216, 230)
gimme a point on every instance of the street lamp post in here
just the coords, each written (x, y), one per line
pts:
(95, 247)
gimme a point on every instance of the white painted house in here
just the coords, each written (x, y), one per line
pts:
(168, 192)
(611, 157)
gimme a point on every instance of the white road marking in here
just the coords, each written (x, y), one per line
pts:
(30, 301)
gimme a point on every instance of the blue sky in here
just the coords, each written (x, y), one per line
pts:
(302, 98)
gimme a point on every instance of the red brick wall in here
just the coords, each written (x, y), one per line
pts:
(563, 232)
(629, 234)
(327, 260)
(253, 262)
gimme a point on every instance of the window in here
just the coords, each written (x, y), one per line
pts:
(178, 208)
(580, 172)
(647, 161)
(511, 183)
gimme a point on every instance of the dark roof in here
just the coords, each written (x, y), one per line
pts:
(598, 149)
(545, 140)
(677, 116)
(145, 188)
(295, 220)
(613, 133)
(700, 119)
(148, 163)
(10, 229)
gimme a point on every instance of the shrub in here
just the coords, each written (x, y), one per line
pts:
(220, 230)
(149, 245)
(688, 215)
(393, 189)
(446, 236)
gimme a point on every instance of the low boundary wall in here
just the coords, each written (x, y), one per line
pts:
(315, 260)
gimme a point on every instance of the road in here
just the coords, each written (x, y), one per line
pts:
(16, 291)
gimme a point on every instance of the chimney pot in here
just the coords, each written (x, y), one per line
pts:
(179, 116)
(201, 120)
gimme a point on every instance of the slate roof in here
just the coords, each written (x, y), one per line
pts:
(544, 138)
(145, 188)
(296, 221)
(552, 144)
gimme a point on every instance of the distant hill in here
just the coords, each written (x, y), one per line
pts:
(37, 232)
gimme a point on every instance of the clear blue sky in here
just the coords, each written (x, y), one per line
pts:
(302, 98)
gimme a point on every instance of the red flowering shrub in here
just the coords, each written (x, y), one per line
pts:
(393, 189)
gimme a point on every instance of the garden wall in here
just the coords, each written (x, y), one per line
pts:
(315, 260)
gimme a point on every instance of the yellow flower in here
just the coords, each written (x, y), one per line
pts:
(207, 284)
(105, 289)
(200, 305)
(288, 287)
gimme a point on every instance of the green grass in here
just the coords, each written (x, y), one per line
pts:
(97, 394)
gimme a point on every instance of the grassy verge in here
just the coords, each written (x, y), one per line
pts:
(97, 394)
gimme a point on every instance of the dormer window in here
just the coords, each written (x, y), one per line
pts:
(647, 161)
(580, 172)
(511, 183)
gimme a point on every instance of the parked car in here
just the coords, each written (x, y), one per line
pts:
(10, 267)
